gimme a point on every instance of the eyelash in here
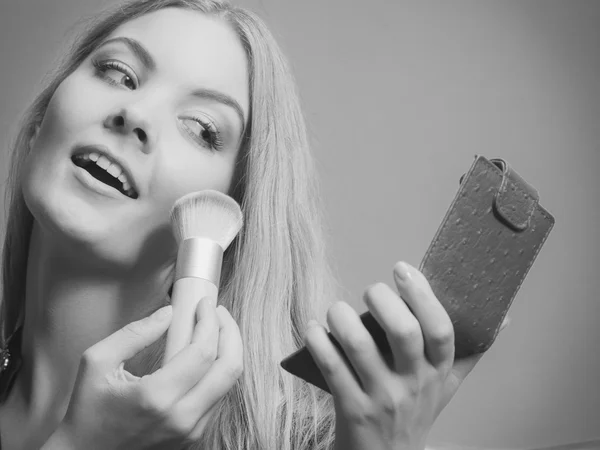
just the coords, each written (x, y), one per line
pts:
(214, 141)
(104, 66)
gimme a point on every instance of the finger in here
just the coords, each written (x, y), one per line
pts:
(207, 325)
(187, 367)
(187, 292)
(358, 345)
(336, 369)
(223, 373)
(505, 323)
(402, 329)
(436, 326)
(126, 342)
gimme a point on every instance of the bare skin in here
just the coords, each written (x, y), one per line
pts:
(100, 261)
(96, 261)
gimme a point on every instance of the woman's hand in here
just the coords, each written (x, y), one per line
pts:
(112, 409)
(395, 407)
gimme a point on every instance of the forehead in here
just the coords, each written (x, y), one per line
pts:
(193, 50)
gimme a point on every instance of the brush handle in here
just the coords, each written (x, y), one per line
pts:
(187, 292)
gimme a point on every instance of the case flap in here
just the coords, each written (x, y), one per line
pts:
(516, 199)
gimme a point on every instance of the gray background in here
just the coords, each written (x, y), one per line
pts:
(399, 96)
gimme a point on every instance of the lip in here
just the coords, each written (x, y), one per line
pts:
(95, 185)
(103, 150)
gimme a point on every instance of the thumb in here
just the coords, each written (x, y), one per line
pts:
(206, 305)
(505, 323)
(126, 342)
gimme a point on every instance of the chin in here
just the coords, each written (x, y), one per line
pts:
(76, 229)
(93, 229)
(89, 239)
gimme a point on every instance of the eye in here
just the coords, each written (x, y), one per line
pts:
(203, 131)
(116, 73)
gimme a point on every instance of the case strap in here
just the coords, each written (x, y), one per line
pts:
(516, 200)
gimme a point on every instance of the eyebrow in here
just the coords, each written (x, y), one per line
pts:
(224, 99)
(148, 61)
(138, 49)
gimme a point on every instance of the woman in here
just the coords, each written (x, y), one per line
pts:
(189, 95)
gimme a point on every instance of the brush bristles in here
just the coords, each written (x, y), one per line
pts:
(209, 214)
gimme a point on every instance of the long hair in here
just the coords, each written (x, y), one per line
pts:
(275, 275)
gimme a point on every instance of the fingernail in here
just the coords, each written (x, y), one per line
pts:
(402, 271)
(505, 323)
(163, 313)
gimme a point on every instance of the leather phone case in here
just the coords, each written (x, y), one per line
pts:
(479, 256)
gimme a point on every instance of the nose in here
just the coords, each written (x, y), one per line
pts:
(127, 122)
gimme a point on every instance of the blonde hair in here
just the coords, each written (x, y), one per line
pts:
(275, 275)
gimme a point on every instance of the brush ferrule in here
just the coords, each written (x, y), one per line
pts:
(199, 258)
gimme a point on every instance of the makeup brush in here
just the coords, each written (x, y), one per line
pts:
(204, 224)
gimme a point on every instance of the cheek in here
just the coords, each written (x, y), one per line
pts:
(68, 112)
(48, 158)
(196, 171)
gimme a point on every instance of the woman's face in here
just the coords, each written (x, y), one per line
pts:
(165, 100)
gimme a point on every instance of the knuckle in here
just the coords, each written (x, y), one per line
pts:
(361, 416)
(410, 331)
(151, 401)
(234, 371)
(205, 352)
(442, 335)
(393, 403)
(134, 328)
(357, 344)
(413, 387)
(359, 412)
(181, 423)
(390, 405)
(90, 358)
(113, 385)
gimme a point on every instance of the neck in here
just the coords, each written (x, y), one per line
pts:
(70, 306)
